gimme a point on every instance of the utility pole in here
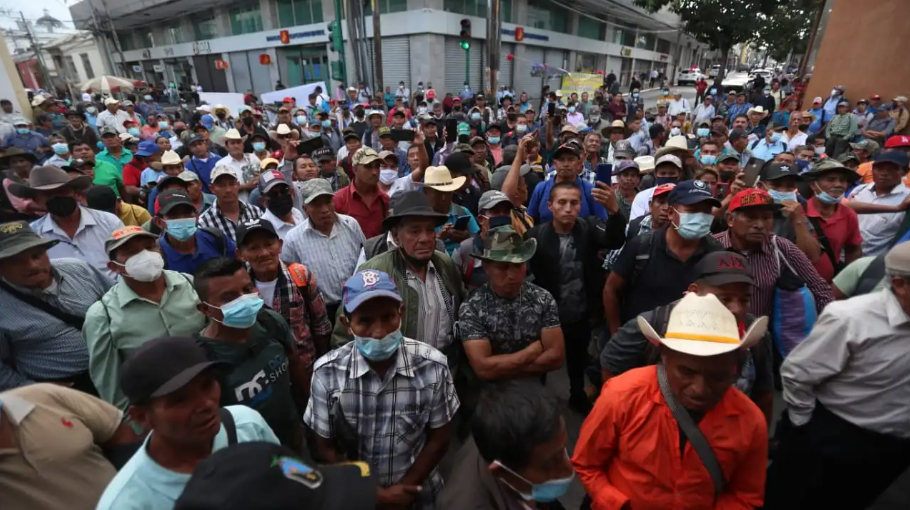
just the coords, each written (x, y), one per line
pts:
(494, 30)
(37, 50)
(377, 50)
(678, 54)
(104, 42)
(116, 39)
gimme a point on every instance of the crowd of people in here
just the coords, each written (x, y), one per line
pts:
(322, 303)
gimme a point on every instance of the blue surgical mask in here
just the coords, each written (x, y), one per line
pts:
(666, 93)
(803, 164)
(100, 145)
(90, 109)
(545, 492)
(326, 123)
(635, 95)
(571, 109)
(258, 146)
(475, 116)
(775, 137)
(60, 148)
(708, 159)
(493, 139)
(162, 124)
(665, 180)
(713, 92)
(23, 131)
(301, 119)
(828, 199)
(780, 196)
(240, 313)
(703, 132)
(379, 349)
(521, 128)
(134, 131)
(181, 229)
(694, 225)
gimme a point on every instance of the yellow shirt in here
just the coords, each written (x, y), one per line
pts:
(133, 215)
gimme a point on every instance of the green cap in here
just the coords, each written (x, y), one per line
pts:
(503, 244)
(314, 188)
(18, 236)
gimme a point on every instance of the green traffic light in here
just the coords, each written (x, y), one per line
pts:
(465, 45)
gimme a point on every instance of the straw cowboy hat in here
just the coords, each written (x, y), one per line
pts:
(440, 179)
(170, 158)
(678, 143)
(283, 129)
(233, 134)
(703, 326)
(47, 178)
(217, 107)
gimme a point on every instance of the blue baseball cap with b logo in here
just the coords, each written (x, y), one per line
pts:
(365, 285)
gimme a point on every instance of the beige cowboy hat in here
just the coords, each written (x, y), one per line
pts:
(233, 134)
(47, 178)
(227, 111)
(645, 163)
(703, 326)
(757, 109)
(440, 179)
(678, 143)
(170, 158)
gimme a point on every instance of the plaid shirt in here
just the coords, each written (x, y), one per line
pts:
(212, 218)
(586, 175)
(390, 415)
(305, 315)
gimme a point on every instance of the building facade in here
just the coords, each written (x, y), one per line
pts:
(252, 45)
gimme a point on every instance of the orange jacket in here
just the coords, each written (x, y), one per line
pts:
(628, 450)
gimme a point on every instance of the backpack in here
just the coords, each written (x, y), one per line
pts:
(794, 311)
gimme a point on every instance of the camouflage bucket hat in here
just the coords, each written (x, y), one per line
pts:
(503, 244)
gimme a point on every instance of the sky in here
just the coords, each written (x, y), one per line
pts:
(34, 9)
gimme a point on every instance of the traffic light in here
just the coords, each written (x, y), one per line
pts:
(338, 70)
(465, 34)
(334, 29)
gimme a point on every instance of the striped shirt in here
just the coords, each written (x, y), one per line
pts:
(213, 218)
(95, 227)
(587, 174)
(389, 415)
(766, 269)
(436, 308)
(332, 258)
(37, 344)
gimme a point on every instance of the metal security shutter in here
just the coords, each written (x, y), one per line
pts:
(523, 81)
(262, 81)
(505, 65)
(478, 58)
(455, 60)
(396, 61)
(554, 58)
(240, 71)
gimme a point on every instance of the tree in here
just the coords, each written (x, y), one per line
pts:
(721, 24)
(786, 30)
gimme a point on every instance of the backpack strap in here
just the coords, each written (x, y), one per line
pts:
(230, 426)
(642, 256)
(301, 278)
(219, 236)
(824, 242)
(871, 276)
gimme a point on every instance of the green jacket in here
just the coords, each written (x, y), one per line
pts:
(392, 263)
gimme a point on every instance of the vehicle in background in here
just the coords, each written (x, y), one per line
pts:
(767, 74)
(737, 82)
(690, 76)
(714, 71)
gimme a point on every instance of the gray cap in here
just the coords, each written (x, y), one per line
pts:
(18, 236)
(898, 259)
(491, 199)
(623, 146)
(499, 176)
(315, 188)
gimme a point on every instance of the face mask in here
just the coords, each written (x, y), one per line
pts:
(803, 165)
(100, 145)
(475, 116)
(828, 199)
(162, 124)
(546, 492)
(185, 106)
(134, 131)
(379, 349)
(181, 229)
(833, 92)
(713, 92)
(281, 205)
(694, 225)
(665, 180)
(804, 128)
(709, 160)
(22, 131)
(91, 109)
(258, 146)
(61, 206)
(60, 148)
(775, 137)
(819, 151)
(635, 95)
(675, 131)
(248, 121)
(421, 110)
(780, 196)
(767, 92)
(301, 119)
(521, 129)
(388, 175)
(326, 123)
(571, 109)
(240, 313)
(703, 132)
(493, 139)
(466, 87)
(145, 266)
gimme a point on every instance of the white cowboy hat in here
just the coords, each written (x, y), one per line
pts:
(674, 144)
(233, 134)
(171, 158)
(282, 129)
(645, 163)
(757, 109)
(703, 326)
(440, 179)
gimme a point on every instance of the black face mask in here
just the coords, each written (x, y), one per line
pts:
(456, 108)
(804, 128)
(281, 205)
(727, 176)
(61, 206)
(248, 121)
(512, 117)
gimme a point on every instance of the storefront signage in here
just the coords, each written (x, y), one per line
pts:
(137, 68)
(201, 47)
(294, 35)
(524, 35)
(626, 52)
(221, 64)
(168, 51)
(284, 36)
(265, 59)
(158, 68)
(664, 58)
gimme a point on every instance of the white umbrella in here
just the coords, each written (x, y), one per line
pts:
(107, 85)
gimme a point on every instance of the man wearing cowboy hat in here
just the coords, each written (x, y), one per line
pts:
(439, 186)
(370, 138)
(244, 166)
(509, 328)
(15, 166)
(362, 199)
(431, 286)
(655, 436)
(82, 231)
(112, 117)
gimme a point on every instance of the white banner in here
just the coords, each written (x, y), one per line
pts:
(300, 94)
(232, 100)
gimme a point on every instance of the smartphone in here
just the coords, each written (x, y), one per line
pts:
(557, 120)
(308, 146)
(403, 135)
(551, 109)
(722, 191)
(451, 130)
(462, 223)
(604, 173)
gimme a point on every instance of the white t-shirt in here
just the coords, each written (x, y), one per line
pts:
(86, 97)
(267, 291)
(641, 205)
(244, 169)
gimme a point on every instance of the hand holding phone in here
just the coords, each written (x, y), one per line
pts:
(462, 223)
(604, 173)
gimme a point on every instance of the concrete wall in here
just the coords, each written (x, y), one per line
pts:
(861, 49)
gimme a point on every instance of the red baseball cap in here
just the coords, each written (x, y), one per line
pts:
(753, 197)
(663, 189)
(875, 96)
(897, 141)
(288, 100)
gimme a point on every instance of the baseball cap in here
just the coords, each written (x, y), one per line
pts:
(668, 158)
(624, 165)
(725, 155)
(736, 134)
(387, 154)
(365, 156)
(101, 198)
(171, 198)
(188, 176)
(818, 99)
(865, 145)
(623, 147)
(499, 176)
(264, 163)
(162, 366)
(774, 171)
(663, 189)
(897, 141)
(692, 192)
(120, 236)
(459, 163)
(244, 229)
(566, 148)
(322, 154)
(270, 179)
(313, 188)
(18, 236)
(147, 148)
(267, 476)
(491, 199)
(351, 135)
(898, 258)
(221, 171)
(901, 159)
(753, 198)
(108, 131)
(385, 131)
(167, 179)
(723, 267)
(365, 285)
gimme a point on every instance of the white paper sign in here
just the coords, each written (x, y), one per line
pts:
(232, 100)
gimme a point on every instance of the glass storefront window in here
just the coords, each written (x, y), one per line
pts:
(585, 62)
(547, 16)
(299, 12)
(663, 46)
(590, 28)
(245, 20)
(204, 26)
(386, 6)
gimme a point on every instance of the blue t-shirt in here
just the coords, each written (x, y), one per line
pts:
(143, 484)
(203, 169)
(207, 247)
(537, 206)
(456, 211)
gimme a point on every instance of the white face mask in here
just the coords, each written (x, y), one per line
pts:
(388, 175)
(145, 266)
(675, 131)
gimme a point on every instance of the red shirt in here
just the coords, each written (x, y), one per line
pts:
(842, 228)
(348, 201)
(132, 173)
